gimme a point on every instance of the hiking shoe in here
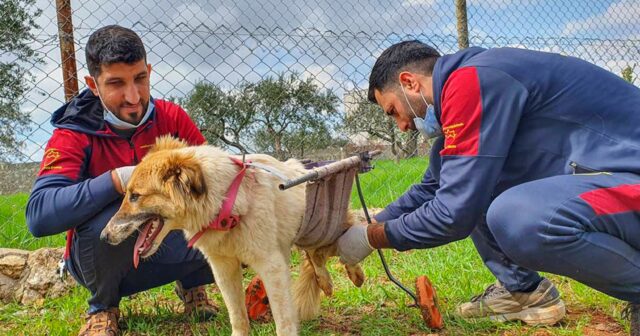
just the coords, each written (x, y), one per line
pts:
(632, 312)
(542, 306)
(102, 323)
(196, 302)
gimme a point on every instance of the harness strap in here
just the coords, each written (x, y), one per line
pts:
(67, 247)
(226, 221)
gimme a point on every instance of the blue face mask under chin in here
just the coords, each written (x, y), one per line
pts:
(114, 121)
(427, 126)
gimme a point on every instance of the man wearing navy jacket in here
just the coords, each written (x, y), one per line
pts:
(100, 136)
(536, 157)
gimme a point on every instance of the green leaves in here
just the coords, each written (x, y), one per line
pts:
(283, 116)
(16, 25)
(628, 73)
(368, 118)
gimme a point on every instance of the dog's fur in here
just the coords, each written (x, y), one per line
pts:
(183, 188)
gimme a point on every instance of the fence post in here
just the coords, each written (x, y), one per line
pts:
(67, 49)
(463, 30)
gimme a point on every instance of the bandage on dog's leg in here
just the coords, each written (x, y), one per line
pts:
(257, 301)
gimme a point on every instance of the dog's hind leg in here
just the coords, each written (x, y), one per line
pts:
(355, 273)
(274, 272)
(228, 274)
(318, 259)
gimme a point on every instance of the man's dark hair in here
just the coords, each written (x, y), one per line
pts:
(412, 56)
(113, 44)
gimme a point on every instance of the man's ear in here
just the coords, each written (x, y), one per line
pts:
(91, 83)
(183, 174)
(409, 81)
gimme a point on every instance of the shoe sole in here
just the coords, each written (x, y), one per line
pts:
(535, 316)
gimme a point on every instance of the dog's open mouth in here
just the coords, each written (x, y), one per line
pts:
(149, 232)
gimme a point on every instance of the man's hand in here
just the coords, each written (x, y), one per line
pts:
(120, 177)
(353, 245)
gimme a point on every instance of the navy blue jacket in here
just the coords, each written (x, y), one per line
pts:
(511, 116)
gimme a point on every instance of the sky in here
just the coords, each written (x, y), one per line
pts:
(335, 42)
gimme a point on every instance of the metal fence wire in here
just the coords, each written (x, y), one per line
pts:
(228, 60)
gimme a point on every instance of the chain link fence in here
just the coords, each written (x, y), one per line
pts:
(225, 60)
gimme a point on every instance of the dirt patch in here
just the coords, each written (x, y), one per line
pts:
(596, 324)
(520, 331)
(600, 324)
(337, 322)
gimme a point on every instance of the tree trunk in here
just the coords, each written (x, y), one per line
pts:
(463, 29)
(277, 146)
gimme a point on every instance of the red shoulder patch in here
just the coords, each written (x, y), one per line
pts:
(461, 113)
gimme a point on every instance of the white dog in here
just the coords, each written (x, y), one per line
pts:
(176, 187)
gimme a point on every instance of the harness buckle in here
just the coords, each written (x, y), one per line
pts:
(62, 269)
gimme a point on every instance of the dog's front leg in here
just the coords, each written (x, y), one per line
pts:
(228, 275)
(276, 276)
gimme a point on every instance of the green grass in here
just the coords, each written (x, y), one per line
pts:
(383, 184)
(378, 308)
(13, 227)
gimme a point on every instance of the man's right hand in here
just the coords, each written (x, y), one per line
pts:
(353, 245)
(120, 177)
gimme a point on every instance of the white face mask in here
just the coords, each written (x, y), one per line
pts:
(114, 121)
(428, 126)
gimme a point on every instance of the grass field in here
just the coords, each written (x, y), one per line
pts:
(378, 308)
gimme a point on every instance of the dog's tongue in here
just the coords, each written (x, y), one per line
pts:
(139, 242)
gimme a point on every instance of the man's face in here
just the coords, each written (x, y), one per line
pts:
(124, 89)
(394, 105)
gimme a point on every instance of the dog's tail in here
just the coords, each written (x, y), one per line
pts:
(306, 292)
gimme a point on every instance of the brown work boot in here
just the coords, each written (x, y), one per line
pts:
(196, 302)
(102, 323)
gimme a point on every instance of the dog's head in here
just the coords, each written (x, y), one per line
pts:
(163, 187)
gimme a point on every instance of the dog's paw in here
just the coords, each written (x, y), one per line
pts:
(325, 283)
(355, 273)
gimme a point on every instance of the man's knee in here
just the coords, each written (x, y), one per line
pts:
(516, 222)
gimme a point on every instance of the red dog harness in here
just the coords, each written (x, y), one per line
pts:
(226, 221)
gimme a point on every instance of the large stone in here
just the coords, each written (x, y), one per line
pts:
(7, 288)
(30, 277)
(13, 262)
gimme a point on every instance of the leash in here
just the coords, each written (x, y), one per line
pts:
(425, 297)
(382, 258)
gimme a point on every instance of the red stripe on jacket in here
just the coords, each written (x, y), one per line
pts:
(461, 113)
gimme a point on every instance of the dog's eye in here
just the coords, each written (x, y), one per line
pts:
(133, 197)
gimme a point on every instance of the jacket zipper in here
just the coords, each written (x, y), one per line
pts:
(133, 149)
(580, 169)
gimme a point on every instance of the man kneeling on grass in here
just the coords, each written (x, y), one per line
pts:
(100, 136)
(536, 157)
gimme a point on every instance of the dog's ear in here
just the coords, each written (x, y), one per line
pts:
(167, 142)
(184, 174)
